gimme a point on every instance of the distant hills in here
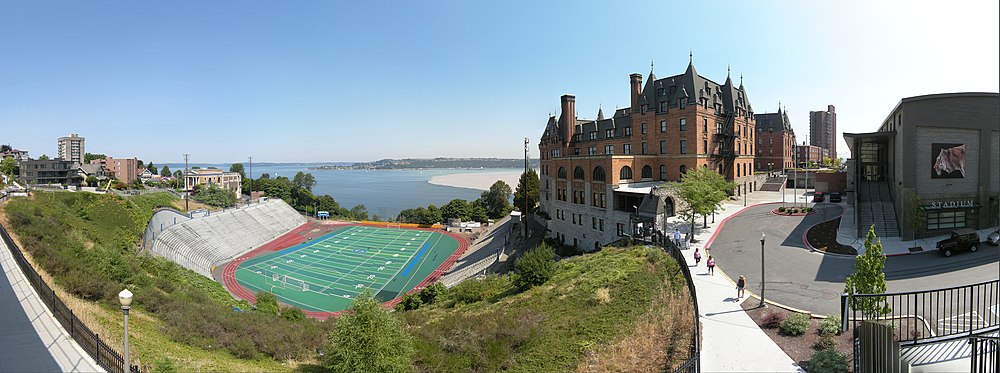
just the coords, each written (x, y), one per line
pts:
(430, 163)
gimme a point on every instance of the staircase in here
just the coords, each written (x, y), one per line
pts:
(875, 207)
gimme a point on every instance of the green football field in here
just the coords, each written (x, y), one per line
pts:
(326, 273)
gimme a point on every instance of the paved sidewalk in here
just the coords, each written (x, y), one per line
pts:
(731, 341)
(31, 340)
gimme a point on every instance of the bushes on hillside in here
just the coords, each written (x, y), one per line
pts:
(535, 267)
(367, 338)
(828, 361)
(215, 197)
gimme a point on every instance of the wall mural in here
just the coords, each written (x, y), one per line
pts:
(948, 161)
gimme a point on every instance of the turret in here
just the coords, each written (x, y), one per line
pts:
(636, 88)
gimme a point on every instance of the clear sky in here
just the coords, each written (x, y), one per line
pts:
(358, 80)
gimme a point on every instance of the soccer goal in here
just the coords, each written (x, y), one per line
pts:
(392, 225)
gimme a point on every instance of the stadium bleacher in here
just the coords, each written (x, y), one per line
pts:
(200, 244)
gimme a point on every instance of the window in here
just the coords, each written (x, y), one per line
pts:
(628, 131)
(684, 169)
(626, 173)
(598, 173)
(609, 149)
(592, 150)
(683, 126)
(578, 173)
(574, 218)
(680, 103)
(659, 92)
(945, 220)
(704, 144)
(663, 107)
(642, 128)
(718, 127)
(647, 172)
(593, 222)
(663, 147)
(576, 151)
(643, 147)
(609, 133)
(561, 194)
(620, 227)
(600, 224)
(663, 172)
(759, 141)
(627, 149)
(770, 151)
(683, 146)
(704, 125)
(562, 173)
(593, 135)
(643, 108)
(769, 141)
(663, 126)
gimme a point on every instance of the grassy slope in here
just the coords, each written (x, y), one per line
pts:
(102, 221)
(594, 306)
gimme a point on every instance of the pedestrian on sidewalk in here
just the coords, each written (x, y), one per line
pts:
(677, 237)
(740, 284)
(711, 265)
(697, 257)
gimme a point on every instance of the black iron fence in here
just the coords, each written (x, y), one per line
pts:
(985, 356)
(104, 355)
(929, 316)
(694, 361)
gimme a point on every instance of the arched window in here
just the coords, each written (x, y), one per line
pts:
(684, 169)
(647, 172)
(663, 172)
(626, 173)
(599, 173)
(562, 173)
(578, 173)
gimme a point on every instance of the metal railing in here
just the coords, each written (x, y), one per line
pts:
(105, 356)
(985, 354)
(929, 316)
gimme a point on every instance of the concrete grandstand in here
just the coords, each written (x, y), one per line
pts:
(203, 243)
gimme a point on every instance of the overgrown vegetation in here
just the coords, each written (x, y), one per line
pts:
(214, 196)
(593, 305)
(535, 267)
(368, 338)
(828, 361)
(87, 243)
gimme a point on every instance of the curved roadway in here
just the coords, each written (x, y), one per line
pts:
(813, 281)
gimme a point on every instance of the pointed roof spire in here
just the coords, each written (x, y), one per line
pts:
(600, 112)
(741, 81)
(690, 56)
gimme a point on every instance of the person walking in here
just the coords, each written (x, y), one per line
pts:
(711, 265)
(677, 237)
(697, 257)
(740, 284)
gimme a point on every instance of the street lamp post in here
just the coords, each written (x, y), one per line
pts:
(635, 228)
(744, 194)
(125, 297)
(761, 271)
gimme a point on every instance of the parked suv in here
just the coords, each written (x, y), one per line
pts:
(818, 197)
(835, 197)
(961, 239)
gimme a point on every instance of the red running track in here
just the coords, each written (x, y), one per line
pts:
(295, 237)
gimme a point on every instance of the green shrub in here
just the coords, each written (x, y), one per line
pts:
(830, 326)
(825, 341)
(781, 209)
(409, 302)
(828, 361)
(367, 338)
(796, 324)
(535, 267)
(293, 314)
(431, 292)
(488, 288)
(164, 365)
(266, 304)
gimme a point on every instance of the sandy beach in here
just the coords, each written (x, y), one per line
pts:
(480, 181)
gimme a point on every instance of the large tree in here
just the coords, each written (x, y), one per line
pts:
(369, 338)
(165, 171)
(703, 190)
(238, 168)
(87, 157)
(304, 180)
(496, 201)
(868, 278)
(8, 166)
(528, 187)
(43, 157)
(455, 209)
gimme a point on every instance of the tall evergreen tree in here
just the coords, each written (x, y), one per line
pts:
(528, 187)
(868, 278)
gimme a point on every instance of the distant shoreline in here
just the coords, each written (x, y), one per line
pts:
(478, 181)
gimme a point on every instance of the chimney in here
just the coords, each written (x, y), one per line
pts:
(635, 79)
(831, 109)
(568, 118)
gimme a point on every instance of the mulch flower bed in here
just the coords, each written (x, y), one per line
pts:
(799, 348)
(788, 212)
(823, 237)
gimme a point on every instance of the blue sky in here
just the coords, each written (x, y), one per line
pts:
(354, 81)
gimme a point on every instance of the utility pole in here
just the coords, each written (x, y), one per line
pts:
(187, 191)
(251, 181)
(524, 191)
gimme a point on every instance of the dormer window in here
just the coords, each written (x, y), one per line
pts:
(673, 89)
(659, 92)
(643, 108)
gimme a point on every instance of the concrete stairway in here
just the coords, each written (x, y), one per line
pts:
(875, 207)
